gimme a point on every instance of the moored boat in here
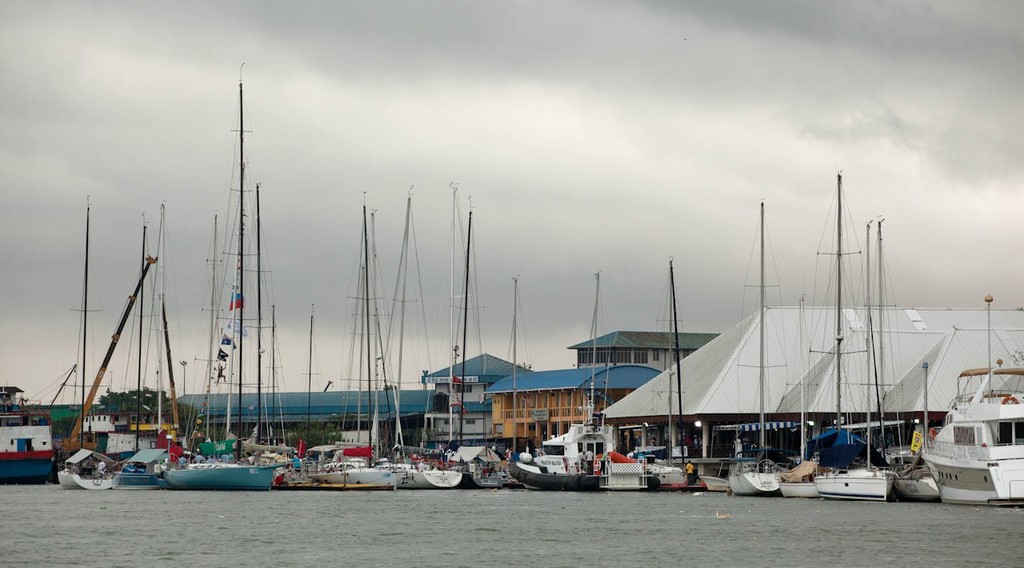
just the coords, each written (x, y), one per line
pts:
(580, 460)
(219, 476)
(26, 447)
(142, 470)
(87, 470)
(978, 456)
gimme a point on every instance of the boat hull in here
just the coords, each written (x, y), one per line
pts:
(226, 477)
(137, 481)
(430, 479)
(25, 468)
(799, 490)
(973, 482)
(75, 481)
(922, 489)
(754, 484)
(715, 484)
(855, 485)
(358, 476)
(534, 478)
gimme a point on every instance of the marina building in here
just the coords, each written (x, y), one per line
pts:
(883, 367)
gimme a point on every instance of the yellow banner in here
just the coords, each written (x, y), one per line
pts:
(915, 442)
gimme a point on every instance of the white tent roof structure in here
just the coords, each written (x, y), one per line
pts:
(723, 376)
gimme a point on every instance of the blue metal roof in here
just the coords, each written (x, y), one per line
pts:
(647, 339)
(487, 368)
(320, 405)
(616, 377)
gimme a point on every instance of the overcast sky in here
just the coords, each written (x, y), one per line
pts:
(590, 136)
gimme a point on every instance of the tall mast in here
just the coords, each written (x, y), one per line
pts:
(760, 355)
(451, 321)
(138, 388)
(404, 269)
(465, 328)
(839, 298)
(259, 324)
(803, 372)
(366, 308)
(593, 348)
(515, 363)
(241, 262)
(309, 376)
(679, 368)
(211, 356)
(85, 318)
(868, 340)
(880, 382)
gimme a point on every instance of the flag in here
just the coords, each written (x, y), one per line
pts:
(222, 355)
(457, 380)
(225, 340)
(300, 449)
(229, 328)
(236, 301)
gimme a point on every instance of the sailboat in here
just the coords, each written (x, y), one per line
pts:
(239, 474)
(798, 482)
(842, 481)
(756, 472)
(352, 466)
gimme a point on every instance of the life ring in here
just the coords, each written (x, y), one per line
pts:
(932, 432)
(1010, 399)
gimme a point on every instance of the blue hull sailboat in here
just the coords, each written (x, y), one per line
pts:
(220, 477)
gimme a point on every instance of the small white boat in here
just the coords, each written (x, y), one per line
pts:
(915, 483)
(856, 484)
(87, 470)
(715, 484)
(755, 473)
(799, 481)
(353, 471)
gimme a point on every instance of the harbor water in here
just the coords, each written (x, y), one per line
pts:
(48, 526)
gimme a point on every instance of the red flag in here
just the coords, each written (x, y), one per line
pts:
(300, 449)
(175, 451)
(457, 380)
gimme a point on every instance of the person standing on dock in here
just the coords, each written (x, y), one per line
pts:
(691, 478)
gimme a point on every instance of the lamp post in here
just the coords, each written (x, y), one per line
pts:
(924, 425)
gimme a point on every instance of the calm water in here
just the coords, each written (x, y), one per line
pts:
(48, 526)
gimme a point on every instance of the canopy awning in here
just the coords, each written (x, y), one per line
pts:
(84, 454)
(756, 426)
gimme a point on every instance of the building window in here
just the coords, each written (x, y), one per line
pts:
(623, 356)
(656, 354)
(640, 356)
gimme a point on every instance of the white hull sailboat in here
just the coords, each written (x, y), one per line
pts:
(858, 484)
(428, 478)
(86, 470)
(868, 483)
(755, 474)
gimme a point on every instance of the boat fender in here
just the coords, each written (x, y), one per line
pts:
(525, 457)
(1010, 399)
